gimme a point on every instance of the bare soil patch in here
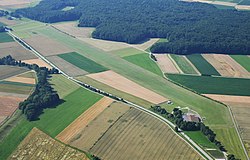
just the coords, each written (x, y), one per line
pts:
(97, 127)
(9, 71)
(47, 46)
(165, 63)
(66, 67)
(243, 7)
(105, 45)
(71, 29)
(38, 145)
(83, 120)
(16, 51)
(137, 135)
(123, 84)
(226, 66)
(8, 105)
(7, 21)
(146, 44)
(39, 62)
(21, 80)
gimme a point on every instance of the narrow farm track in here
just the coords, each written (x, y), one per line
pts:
(152, 114)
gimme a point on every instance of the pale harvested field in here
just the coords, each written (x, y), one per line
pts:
(14, 2)
(7, 21)
(226, 66)
(46, 46)
(15, 50)
(97, 127)
(243, 7)
(8, 105)
(146, 44)
(123, 84)
(83, 120)
(229, 99)
(71, 28)
(39, 62)
(21, 80)
(166, 64)
(38, 145)
(66, 67)
(105, 45)
(9, 71)
(137, 135)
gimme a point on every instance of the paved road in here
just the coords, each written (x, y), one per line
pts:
(167, 122)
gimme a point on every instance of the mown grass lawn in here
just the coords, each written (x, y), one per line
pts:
(203, 66)
(200, 139)
(82, 62)
(52, 121)
(145, 62)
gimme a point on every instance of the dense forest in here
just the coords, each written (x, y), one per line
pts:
(43, 95)
(189, 27)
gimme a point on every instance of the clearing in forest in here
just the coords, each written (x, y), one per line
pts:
(83, 120)
(226, 66)
(166, 64)
(121, 83)
(137, 135)
(38, 145)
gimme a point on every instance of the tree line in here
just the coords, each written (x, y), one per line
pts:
(176, 117)
(189, 27)
(43, 95)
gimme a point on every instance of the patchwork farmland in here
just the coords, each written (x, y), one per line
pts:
(202, 65)
(4, 37)
(133, 133)
(9, 71)
(37, 61)
(38, 145)
(243, 60)
(213, 85)
(165, 63)
(121, 83)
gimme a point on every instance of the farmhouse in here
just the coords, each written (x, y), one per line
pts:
(190, 117)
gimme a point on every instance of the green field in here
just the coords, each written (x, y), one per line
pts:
(30, 74)
(53, 120)
(184, 65)
(145, 62)
(4, 37)
(127, 52)
(82, 62)
(243, 60)
(200, 139)
(245, 2)
(178, 95)
(213, 85)
(202, 65)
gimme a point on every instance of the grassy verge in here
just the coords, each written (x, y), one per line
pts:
(243, 60)
(213, 85)
(145, 62)
(202, 65)
(82, 62)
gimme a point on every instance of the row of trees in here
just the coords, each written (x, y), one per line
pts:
(177, 117)
(43, 95)
(189, 27)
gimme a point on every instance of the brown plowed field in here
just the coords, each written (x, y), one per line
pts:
(39, 62)
(21, 80)
(227, 98)
(72, 29)
(105, 45)
(7, 21)
(137, 135)
(46, 46)
(97, 127)
(9, 71)
(226, 66)
(123, 84)
(8, 104)
(165, 63)
(38, 145)
(66, 66)
(83, 120)
(15, 50)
